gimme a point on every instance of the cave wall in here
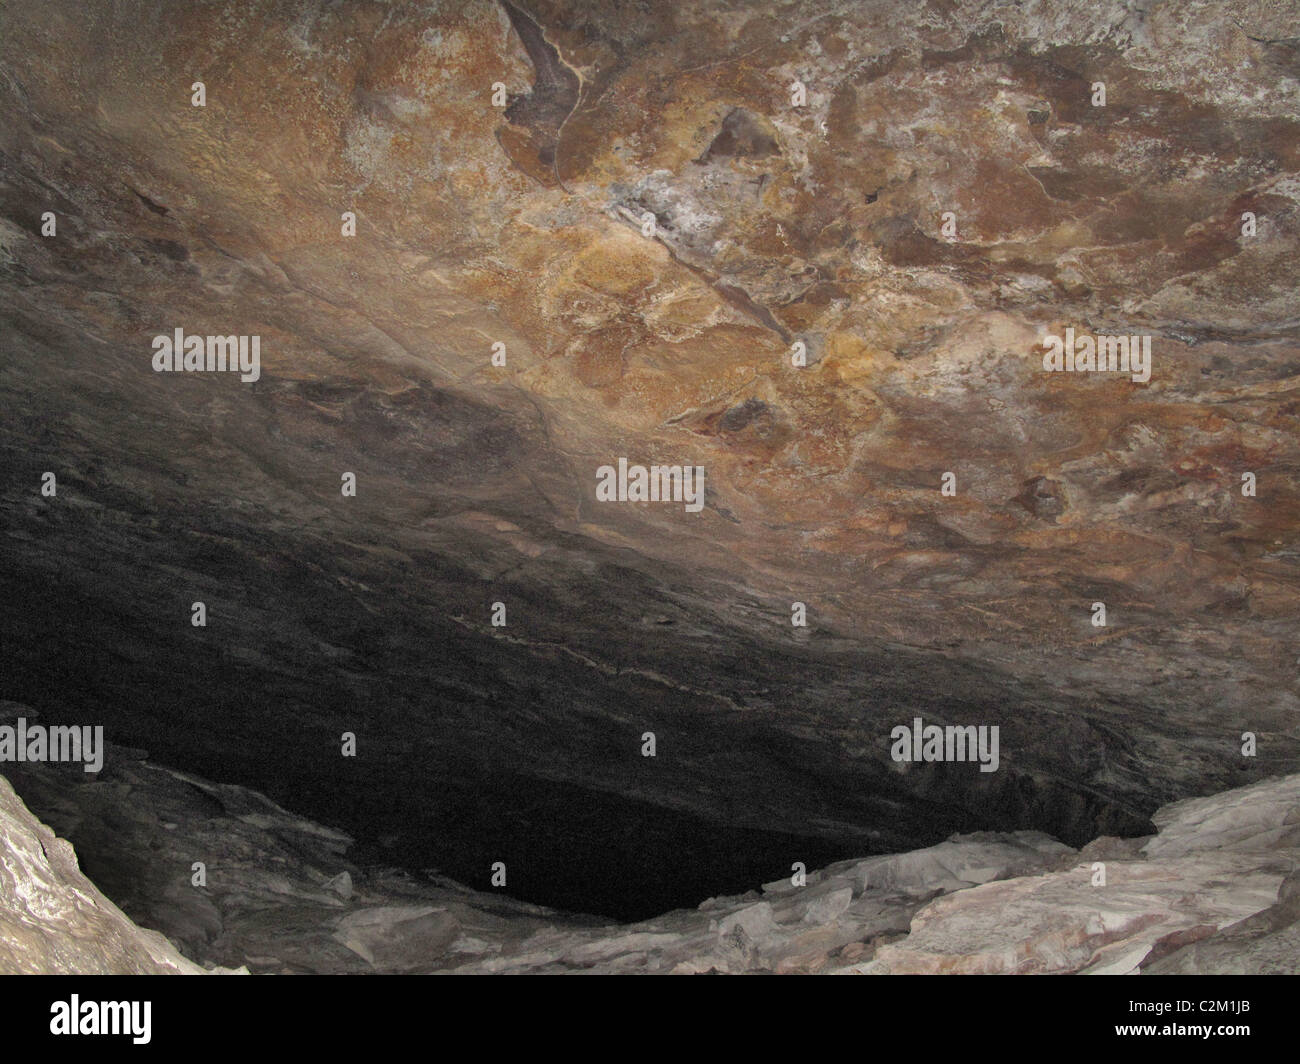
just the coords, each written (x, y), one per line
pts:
(775, 224)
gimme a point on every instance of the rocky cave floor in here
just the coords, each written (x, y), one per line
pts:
(1217, 890)
(828, 252)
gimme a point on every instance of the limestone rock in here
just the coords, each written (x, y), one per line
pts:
(53, 920)
(1215, 892)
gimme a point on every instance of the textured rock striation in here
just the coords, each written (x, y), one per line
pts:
(944, 196)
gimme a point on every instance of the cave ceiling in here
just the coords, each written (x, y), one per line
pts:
(814, 249)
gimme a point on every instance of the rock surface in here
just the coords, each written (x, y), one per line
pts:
(775, 222)
(53, 920)
(277, 894)
(1215, 892)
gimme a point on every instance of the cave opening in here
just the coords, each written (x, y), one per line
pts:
(541, 769)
